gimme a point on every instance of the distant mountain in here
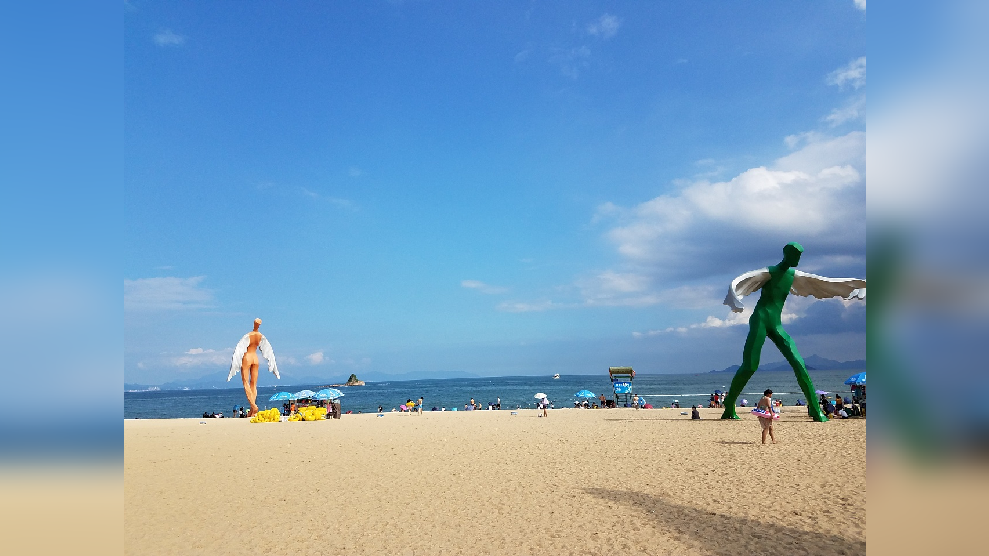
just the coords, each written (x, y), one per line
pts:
(814, 363)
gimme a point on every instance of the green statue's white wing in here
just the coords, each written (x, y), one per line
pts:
(744, 285)
(822, 287)
(269, 356)
(238, 358)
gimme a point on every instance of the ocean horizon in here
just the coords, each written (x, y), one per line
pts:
(515, 392)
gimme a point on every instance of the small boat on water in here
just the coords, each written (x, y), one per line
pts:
(556, 376)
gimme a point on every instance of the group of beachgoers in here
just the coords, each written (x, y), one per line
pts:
(843, 407)
(413, 406)
(238, 412)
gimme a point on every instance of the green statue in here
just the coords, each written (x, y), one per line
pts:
(776, 283)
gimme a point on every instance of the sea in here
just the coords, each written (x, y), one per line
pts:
(516, 392)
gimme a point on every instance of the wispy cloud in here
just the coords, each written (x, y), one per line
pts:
(732, 319)
(860, 4)
(166, 293)
(315, 358)
(570, 60)
(482, 287)
(853, 110)
(167, 37)
(199, 357)
(529, 307)
(852, 74)
(355, 172)
(605, 26)
(337, 201)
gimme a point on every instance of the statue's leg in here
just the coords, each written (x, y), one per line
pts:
(245, 376)
(750, 362)
(788, 348)
(253, 397)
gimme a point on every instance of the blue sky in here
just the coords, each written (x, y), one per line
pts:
(498, 188)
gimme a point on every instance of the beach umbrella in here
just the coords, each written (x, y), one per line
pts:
(718, 392)
(539, 396)
(281, 396)
(819, 392)
(303, 394)
(585, 394)
(857, 380)
(328, 394)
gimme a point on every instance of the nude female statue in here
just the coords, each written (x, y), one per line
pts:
(245, 358)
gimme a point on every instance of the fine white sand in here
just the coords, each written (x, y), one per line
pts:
(488, 482)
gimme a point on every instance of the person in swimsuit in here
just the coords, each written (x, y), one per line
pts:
(766, 404)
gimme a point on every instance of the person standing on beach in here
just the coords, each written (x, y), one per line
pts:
(766, 404)
(419, 407)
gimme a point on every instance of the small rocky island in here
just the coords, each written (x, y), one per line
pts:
(352, 381)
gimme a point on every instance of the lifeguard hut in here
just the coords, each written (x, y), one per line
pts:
(621, 381)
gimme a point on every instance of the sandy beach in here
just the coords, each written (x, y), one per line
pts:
(488, 482)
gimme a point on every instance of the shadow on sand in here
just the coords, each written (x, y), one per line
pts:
(729, 535)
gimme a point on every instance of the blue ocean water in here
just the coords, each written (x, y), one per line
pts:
(514, 391)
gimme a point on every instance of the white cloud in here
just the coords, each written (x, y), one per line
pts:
(853, 110)
(605, 26)
(315, 358)
(199, 357)
(814, 192)
(860, 4)
(732, 319)
(166, 293)
(482, 287)
(167, 37)
(528, 307)
(853, 74)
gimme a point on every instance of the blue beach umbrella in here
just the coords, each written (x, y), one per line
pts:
(328, 394)
(585, 394)
(858, 380)
(281, 396)
(303, 395)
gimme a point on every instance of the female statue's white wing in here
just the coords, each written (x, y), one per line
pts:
(238, 357)
(744, 285)
(822, 287)
(269, 356)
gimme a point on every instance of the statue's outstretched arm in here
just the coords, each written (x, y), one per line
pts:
(238, 358)
(822, 287)
(744, 285)
(269, 356)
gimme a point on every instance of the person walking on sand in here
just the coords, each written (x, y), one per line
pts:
(419, 407)
(766, 404)
(545, 404)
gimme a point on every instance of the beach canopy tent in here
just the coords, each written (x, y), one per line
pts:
(585, 394)
(281, 396)
(856, 380)
(621, 381)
